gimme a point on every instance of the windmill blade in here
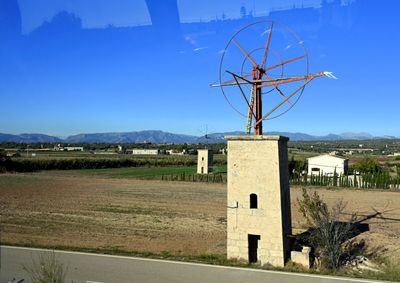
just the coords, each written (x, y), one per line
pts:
(278, 89)
(283, 95)
(275, 81)
(244, 52)
(280, 104)
(242, 76)
(279, 81)
(264, 61)
(234, 81)
(244, 96)
(284, 63)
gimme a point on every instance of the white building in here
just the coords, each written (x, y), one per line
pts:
(141, 151)
(73, 148)
(174, 152)
(327, 165)
(59, 147)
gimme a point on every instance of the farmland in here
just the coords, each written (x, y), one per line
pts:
(111, 211)
(139, 172)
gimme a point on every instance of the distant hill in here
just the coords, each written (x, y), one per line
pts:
(219, 137)
(28, 138)
(356, 136)
(165, 137)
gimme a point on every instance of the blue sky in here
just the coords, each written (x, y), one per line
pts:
(101, 66)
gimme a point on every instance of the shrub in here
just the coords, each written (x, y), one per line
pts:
(327, 232)
(368, 165)
(47, 269)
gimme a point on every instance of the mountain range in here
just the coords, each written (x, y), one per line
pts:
(165, 137)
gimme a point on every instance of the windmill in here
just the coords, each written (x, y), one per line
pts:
(265, 59)
(205, 134)
(264, 64)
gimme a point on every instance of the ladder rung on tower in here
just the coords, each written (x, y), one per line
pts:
(250, 114)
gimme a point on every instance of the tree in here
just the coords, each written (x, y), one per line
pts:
(4, 159)
(335, 178)
(181, 147)
(327, 233)
(368, 165)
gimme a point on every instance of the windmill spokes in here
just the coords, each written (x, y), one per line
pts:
(280, 104)
(265, 57)
(281, 81)
(244, 95)
(272, 81)
(254, 76)
(245, 53)
(283, 63)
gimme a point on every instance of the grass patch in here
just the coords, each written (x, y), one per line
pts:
(144, 173)
(390, 268)
(131, 210)
(136, 172)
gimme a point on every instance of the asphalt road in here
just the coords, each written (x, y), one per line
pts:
(96, 268)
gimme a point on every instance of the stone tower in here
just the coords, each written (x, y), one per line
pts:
(259, 216)
(204, 161)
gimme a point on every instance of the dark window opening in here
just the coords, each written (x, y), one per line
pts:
(253, 201)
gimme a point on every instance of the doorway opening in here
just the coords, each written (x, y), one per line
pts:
(253, 247)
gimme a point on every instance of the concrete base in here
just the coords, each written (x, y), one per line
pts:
(258, 169)
(302, 258)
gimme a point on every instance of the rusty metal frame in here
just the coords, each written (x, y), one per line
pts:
(258, 82)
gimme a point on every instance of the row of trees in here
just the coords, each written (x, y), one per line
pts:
(209, 178)
(32, 165)
(381, 180)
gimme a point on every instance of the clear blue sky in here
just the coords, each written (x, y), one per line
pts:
(72, 66)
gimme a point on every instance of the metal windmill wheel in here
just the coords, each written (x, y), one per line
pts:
(263, 72)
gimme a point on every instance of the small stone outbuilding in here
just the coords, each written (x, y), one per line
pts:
(204, 161)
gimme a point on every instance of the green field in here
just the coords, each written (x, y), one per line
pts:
(88, 154)
(140, 172)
